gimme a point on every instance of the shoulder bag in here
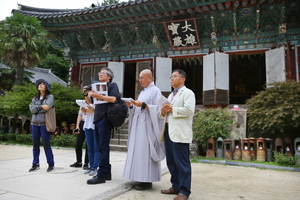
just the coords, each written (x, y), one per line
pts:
(50, 119)
(117, 112)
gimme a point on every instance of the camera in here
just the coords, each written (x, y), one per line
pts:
(88, 88)
(76, 131)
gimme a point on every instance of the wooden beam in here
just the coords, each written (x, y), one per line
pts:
(146, 7)
(245, 3)
(213, 7)
(220, 6)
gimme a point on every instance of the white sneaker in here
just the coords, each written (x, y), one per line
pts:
(87, 171)
(93, 172)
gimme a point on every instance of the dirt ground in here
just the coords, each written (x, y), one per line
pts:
(218, 182)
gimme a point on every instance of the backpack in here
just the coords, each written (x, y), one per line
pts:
(117, 112)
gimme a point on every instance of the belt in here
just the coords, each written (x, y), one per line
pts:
(38, 123)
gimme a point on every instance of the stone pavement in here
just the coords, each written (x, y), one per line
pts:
(63, 182)
(209, 181)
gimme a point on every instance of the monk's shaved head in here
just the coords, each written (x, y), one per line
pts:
(147, 72)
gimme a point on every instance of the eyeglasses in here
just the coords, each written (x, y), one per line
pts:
(102, 73)
(175, 77)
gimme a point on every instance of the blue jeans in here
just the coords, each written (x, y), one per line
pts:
(178, 162)
(38, 132)
(103, 134)
(93, 153)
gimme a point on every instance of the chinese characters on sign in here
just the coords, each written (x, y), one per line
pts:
(182, 34)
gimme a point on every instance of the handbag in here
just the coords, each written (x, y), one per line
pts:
(50, 119)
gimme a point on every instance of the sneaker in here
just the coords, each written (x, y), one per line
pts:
(85, 166)
(87, 171)
(76, 164)
(50, 168)
(34, 167)
(93, 172)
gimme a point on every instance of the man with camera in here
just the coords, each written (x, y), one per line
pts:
(102, 124)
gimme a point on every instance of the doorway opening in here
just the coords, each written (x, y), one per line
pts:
(247, 75)
(129, 80)
(132, 87)
(194, 70)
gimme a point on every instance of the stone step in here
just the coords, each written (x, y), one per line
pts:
(121, 136)
(116, 141)
(121, 148)
(121, 131)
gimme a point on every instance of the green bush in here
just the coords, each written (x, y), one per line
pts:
(63, 140)
(11, 137)
(64, 99)
(10, 104)
(59, 140)
(65, 105)
(285, 160)
(3, 137)
(211, 123)
(24, 139)
(275, 110)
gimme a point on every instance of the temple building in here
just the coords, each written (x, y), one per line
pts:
(229, 49)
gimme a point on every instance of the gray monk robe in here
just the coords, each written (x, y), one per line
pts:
(145, 151)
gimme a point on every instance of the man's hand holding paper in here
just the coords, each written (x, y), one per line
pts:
(129, 101)
(166, 108)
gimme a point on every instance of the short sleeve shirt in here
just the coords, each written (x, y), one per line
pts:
(82, 114)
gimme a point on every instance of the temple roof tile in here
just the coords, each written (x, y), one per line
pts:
(161, 6)
(28, 8)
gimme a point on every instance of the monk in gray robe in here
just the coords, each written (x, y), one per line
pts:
(145, 151)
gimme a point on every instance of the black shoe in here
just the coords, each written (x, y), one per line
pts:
(108, 177)
(143, 186)
(85, 166)
(50, 168)
(34, 167)
(95, 180)
(76, 164)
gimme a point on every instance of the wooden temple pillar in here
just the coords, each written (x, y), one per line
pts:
(290, 63)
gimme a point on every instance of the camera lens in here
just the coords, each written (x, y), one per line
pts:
(89, 88)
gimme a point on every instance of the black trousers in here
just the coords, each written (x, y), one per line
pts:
(80, 138)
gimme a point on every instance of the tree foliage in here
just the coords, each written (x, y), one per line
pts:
(107, 2)
(275, 109)
(16, 102)
(22, 43)
(56, 62)
(7, 78)
(65, 105)
(211, 123)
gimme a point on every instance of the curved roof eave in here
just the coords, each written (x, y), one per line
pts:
(44, 12)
